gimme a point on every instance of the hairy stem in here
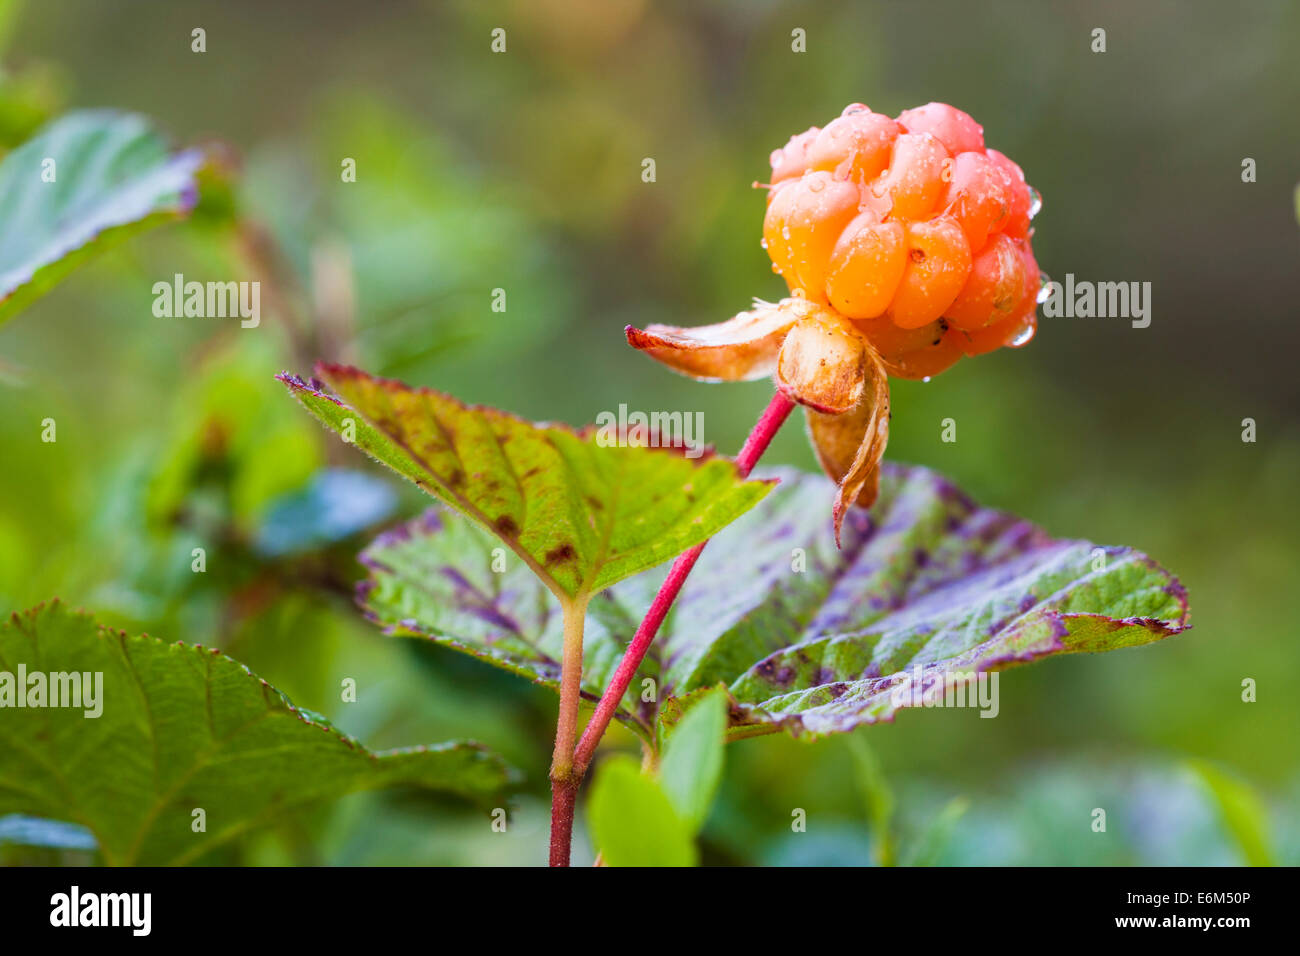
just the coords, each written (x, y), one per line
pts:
(564, 781)
(764, 431)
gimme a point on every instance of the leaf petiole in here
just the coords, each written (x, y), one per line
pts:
(569, 765)
(564, 781)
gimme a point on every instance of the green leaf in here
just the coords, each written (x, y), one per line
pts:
(180, 728)
(1243, 813)
(633, 822)
(113, 177)
(438, 577)
(691, 767)
(808, 638)
(582, 515)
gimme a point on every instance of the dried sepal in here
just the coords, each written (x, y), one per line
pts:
(822, 363)
(851, 445)
(744, 347)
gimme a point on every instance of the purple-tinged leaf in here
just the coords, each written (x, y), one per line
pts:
(809, 638)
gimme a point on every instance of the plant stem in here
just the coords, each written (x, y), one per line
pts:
(564, 781)
(764, 431)
(569, 765)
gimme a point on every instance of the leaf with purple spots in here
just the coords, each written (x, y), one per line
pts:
(579, 512)
(817, 640)
(434, 577)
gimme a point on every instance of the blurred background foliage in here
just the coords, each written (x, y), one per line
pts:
(522, 171)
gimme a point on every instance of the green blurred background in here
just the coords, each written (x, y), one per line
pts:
(522, 171)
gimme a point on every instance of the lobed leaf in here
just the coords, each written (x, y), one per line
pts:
(113, 176)
(180, 728)
(807, 637)
(580, 513)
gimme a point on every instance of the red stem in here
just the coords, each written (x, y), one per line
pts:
(565, 780)
(564, 798)
(764, 431)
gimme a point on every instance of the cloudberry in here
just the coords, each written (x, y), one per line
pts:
(907, 225)
(905, 244)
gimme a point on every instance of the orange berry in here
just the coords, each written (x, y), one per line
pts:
(866, 266)
(803, 223)
(938, 262)
(995, 289)
(910, 188)
(1017, 192)
(913, 353)
(1014, 332)
(854, 146)
(906, 221)
(976, 197)
(792, 159)
(958, 132)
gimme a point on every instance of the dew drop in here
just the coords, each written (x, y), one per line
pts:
(763, 242)
(1023, 336)
(785, 233)
(855, 108)
(776, 268)
(797, 293)
(815, 185)
(1044, 293)
(1035, 202)
(926, 379)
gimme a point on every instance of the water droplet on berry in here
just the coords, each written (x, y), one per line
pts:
(1035, 202)
(926, 379)
(1023, 336)
(763, 242)
(797, 293)
(776, 268)
(855, 108)
(1044, 293)
(815, 185)
(785, 233)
